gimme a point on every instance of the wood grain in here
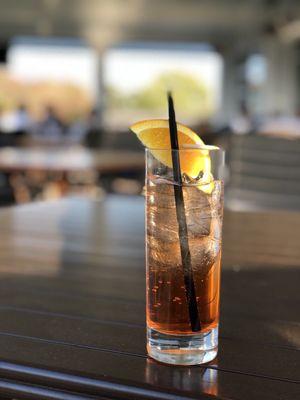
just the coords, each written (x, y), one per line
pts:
(72, 306)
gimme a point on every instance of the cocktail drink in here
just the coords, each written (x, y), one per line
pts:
(183, 253)
(167, 308)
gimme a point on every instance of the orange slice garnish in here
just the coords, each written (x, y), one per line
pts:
(154, 134)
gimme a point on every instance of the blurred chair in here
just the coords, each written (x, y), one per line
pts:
(8, 139)
(7, 196)
(128, 181)
(264, 173)
(123, 140)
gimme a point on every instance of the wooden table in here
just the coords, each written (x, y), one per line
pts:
(72, 320)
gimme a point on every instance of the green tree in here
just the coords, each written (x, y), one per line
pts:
(191, 96)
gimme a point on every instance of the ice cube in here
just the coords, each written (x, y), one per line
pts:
(197, 211)
(204, 253)
(161, 212)
(163, 254)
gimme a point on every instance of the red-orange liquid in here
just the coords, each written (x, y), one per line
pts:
(167, 308)
(167, 304)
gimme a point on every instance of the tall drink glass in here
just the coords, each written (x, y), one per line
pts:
(183, 312)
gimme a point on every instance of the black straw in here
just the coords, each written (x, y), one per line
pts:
(182, 226)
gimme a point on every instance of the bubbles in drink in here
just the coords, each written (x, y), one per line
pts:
(165, 273)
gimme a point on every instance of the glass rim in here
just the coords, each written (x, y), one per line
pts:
(205, 147)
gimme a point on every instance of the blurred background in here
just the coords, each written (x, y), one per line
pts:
(75, 74)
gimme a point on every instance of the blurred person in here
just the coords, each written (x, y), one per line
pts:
(6, 122)
(1, 116)
(94, 132)
(17, 121)
(78, 131)
(51, 126)
(23, 120)
(242, 123)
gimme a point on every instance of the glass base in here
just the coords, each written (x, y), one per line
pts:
(182, 349)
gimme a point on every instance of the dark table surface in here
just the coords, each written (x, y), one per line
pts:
(72, 319)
